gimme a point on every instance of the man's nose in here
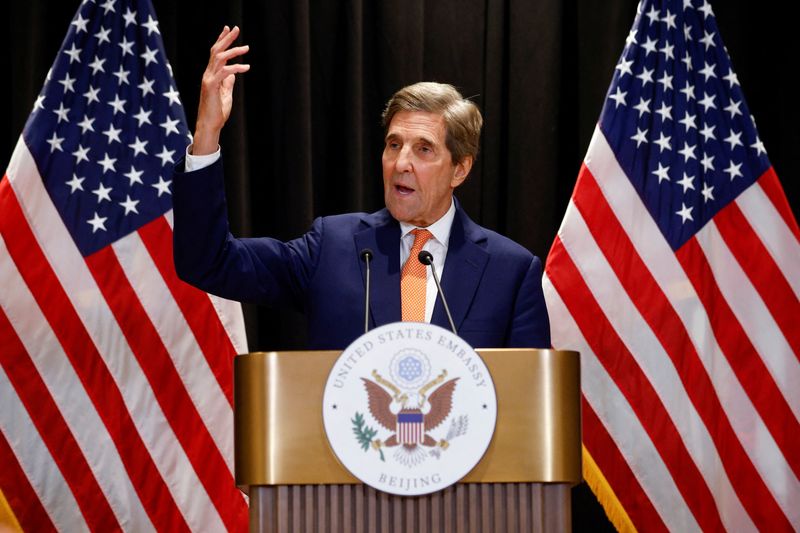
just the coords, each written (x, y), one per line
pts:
(404, 161)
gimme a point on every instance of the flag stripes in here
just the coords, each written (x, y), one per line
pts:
(746, 406)
(197, 308)
(169, 480)
(45, 415)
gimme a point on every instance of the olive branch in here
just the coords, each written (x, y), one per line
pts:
(364, 434)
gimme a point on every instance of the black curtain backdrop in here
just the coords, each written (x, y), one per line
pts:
(305, 140)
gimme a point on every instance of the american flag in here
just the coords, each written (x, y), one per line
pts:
(410, 426)
(676, 274)
(115, 377)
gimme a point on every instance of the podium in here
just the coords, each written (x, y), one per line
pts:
(296, 483)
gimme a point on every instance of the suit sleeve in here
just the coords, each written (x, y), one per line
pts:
(531, 326)
(265, 271)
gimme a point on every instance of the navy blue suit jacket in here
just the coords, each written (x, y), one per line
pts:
(493, 285)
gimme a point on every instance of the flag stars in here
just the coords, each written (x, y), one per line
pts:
(624, 67)
(151, 25)
(666, 81)
(172, 95)
(97, 223)
(664, 111)
(669, 20)
(149, 56)
(91, 95)
(653, 15)
(707, 192)
(39, 103)
(102, 192)
(663, 142)
(143, 116)
(134, 176)
(667, 50)
(649, 46)
(170, 126)
(631, 38)
(81, 154)
(79, 23)
(73, 53)
(130, 17)
(75, 184)
(166, 156)
(687, 182)
(708, 132)
(685, 213)
(61, 112)
(759, 147)
(146, 87)
(127, 46)
(708, 101)
(162, 186)
(731, 78)
(108, 6)
(687, 152)
(107, 163)
(102, 36)
(118, 104)
(646, 76)
(122, 75)
(662, 173)
(734, 139)
(129, 205)
(707, 162)
(708, 40)
(138, 147)
(688, 120)
(706, 9)
(734, 170)
(688, 91)
(68, 83)
(112, 133)
(618, 97)
(55, 143)
(97, 65)
(640, 137)
(687, 32)
(733, 109)
(708, 71)
(642, 107)
(687, 60)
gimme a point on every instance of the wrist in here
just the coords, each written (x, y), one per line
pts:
(205, 141)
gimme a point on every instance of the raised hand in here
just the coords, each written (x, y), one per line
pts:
(216, 91)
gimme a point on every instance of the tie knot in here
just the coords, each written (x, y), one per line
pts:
(421, 236)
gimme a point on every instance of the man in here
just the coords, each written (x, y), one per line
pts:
(492, 284)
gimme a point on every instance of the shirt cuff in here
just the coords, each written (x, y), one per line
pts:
(197, 162)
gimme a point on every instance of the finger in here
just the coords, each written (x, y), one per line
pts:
(225, 40)
(219, 76)
(223, 57)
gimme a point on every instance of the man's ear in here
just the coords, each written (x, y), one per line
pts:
(461, 171)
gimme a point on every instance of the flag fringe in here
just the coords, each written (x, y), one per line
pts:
(605, 495)
(7, 517)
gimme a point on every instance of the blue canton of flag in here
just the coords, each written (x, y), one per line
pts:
(677, 121)
(108, 124)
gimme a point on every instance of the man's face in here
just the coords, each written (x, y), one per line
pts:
(418, 172)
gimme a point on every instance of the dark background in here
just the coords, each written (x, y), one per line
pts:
(304, 138)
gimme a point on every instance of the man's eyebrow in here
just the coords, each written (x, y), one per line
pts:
(423, 139)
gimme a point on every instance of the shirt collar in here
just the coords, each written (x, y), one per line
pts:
(439, 229)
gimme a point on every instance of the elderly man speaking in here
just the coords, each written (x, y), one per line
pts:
(492, 284)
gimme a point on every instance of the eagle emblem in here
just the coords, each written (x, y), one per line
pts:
(411, 414)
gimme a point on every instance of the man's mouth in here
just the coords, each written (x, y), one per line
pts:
(403, 190)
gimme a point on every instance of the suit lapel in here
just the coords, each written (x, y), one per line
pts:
(463, 269)
(383, 238)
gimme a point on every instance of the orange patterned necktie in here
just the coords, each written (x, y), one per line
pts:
(413, 280)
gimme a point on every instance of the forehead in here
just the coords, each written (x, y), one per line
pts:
(412, 125)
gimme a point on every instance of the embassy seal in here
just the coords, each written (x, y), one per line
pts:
(409, 408)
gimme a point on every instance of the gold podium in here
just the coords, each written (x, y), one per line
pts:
(296, 483)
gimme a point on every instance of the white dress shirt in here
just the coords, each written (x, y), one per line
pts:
(437, 245)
